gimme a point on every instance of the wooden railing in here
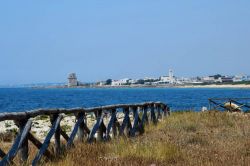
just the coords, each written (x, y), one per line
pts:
(135, 116)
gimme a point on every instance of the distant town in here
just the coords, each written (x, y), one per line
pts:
(169, 81)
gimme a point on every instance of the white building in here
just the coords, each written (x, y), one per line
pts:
(208, 79)
(170, 79)
(72, 80)
(239, 78)
(120, 82)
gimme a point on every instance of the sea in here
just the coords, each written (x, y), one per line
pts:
(25, 99)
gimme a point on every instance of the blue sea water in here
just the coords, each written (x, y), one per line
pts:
(23, 99)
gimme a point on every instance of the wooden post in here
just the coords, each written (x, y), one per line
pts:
(100, 129)
(114, 124)
(24, 149)
(153, 117)
(38, 144)
(141, 120)
(128, 125)
(81, 132)
(135, 126)
(145, 110)
(57, 135)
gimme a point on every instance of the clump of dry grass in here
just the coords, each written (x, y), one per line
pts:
(184, 138)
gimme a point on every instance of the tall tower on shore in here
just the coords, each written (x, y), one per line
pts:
(72, 80)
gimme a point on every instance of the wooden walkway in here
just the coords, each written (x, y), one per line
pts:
(142, 114)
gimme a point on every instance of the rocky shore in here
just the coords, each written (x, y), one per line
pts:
(41, 125)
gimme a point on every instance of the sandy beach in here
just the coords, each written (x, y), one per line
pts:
(242, 86)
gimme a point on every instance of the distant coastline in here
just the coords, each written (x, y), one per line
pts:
(241, 86)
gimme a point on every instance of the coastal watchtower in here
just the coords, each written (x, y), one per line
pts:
(72, 80)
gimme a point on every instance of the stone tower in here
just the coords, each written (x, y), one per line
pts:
(72, 80)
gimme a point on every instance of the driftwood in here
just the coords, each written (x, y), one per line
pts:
(135, 118)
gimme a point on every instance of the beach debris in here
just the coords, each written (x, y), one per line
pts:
(203, 109)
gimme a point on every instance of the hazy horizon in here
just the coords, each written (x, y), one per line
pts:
(45, 41)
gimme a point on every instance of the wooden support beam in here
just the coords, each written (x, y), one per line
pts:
(159, 112)
(126, 124)
(136, 121)
(79, 123)
(102, 128)
(46, 142)
(111, 124)
(116, 128)
(38, 144)
(165, 110)
(146, 114)
(57, 135)
(24, 149)
(2, 154)
(144, 120)
(152, 113)
(20, 139)
(64, 135)
(95, 128)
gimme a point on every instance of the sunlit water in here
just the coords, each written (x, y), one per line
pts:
(22, 99)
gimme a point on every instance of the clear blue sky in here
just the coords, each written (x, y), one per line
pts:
(43, 41)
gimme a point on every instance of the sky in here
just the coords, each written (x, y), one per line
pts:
(44, 41)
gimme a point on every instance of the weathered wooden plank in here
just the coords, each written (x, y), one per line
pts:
(116, 128)
(57, 135)
(145, 115)
(2, 154)
(46, 142)
(86, 129)
(21, 137)
(159, 115)
(95, 128)
(153, 117)
(79, 127)
(111, 123)
(79, 122)
(140, 128)
(125, 122)
(101, 131)
(164, 110)
(34, 113)
(144, 120)
(24, 149)
(128, 128)
(64, 135)
(38, 144)
(136, 120)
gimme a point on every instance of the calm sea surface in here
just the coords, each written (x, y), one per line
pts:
(22, 99)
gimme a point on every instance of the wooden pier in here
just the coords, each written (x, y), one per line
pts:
(142, 114)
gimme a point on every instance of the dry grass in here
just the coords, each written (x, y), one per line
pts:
(184, 138)
(188, 138)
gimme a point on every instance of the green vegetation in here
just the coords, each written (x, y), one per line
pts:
(7, 124)
(42, 117)
(66, 128)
